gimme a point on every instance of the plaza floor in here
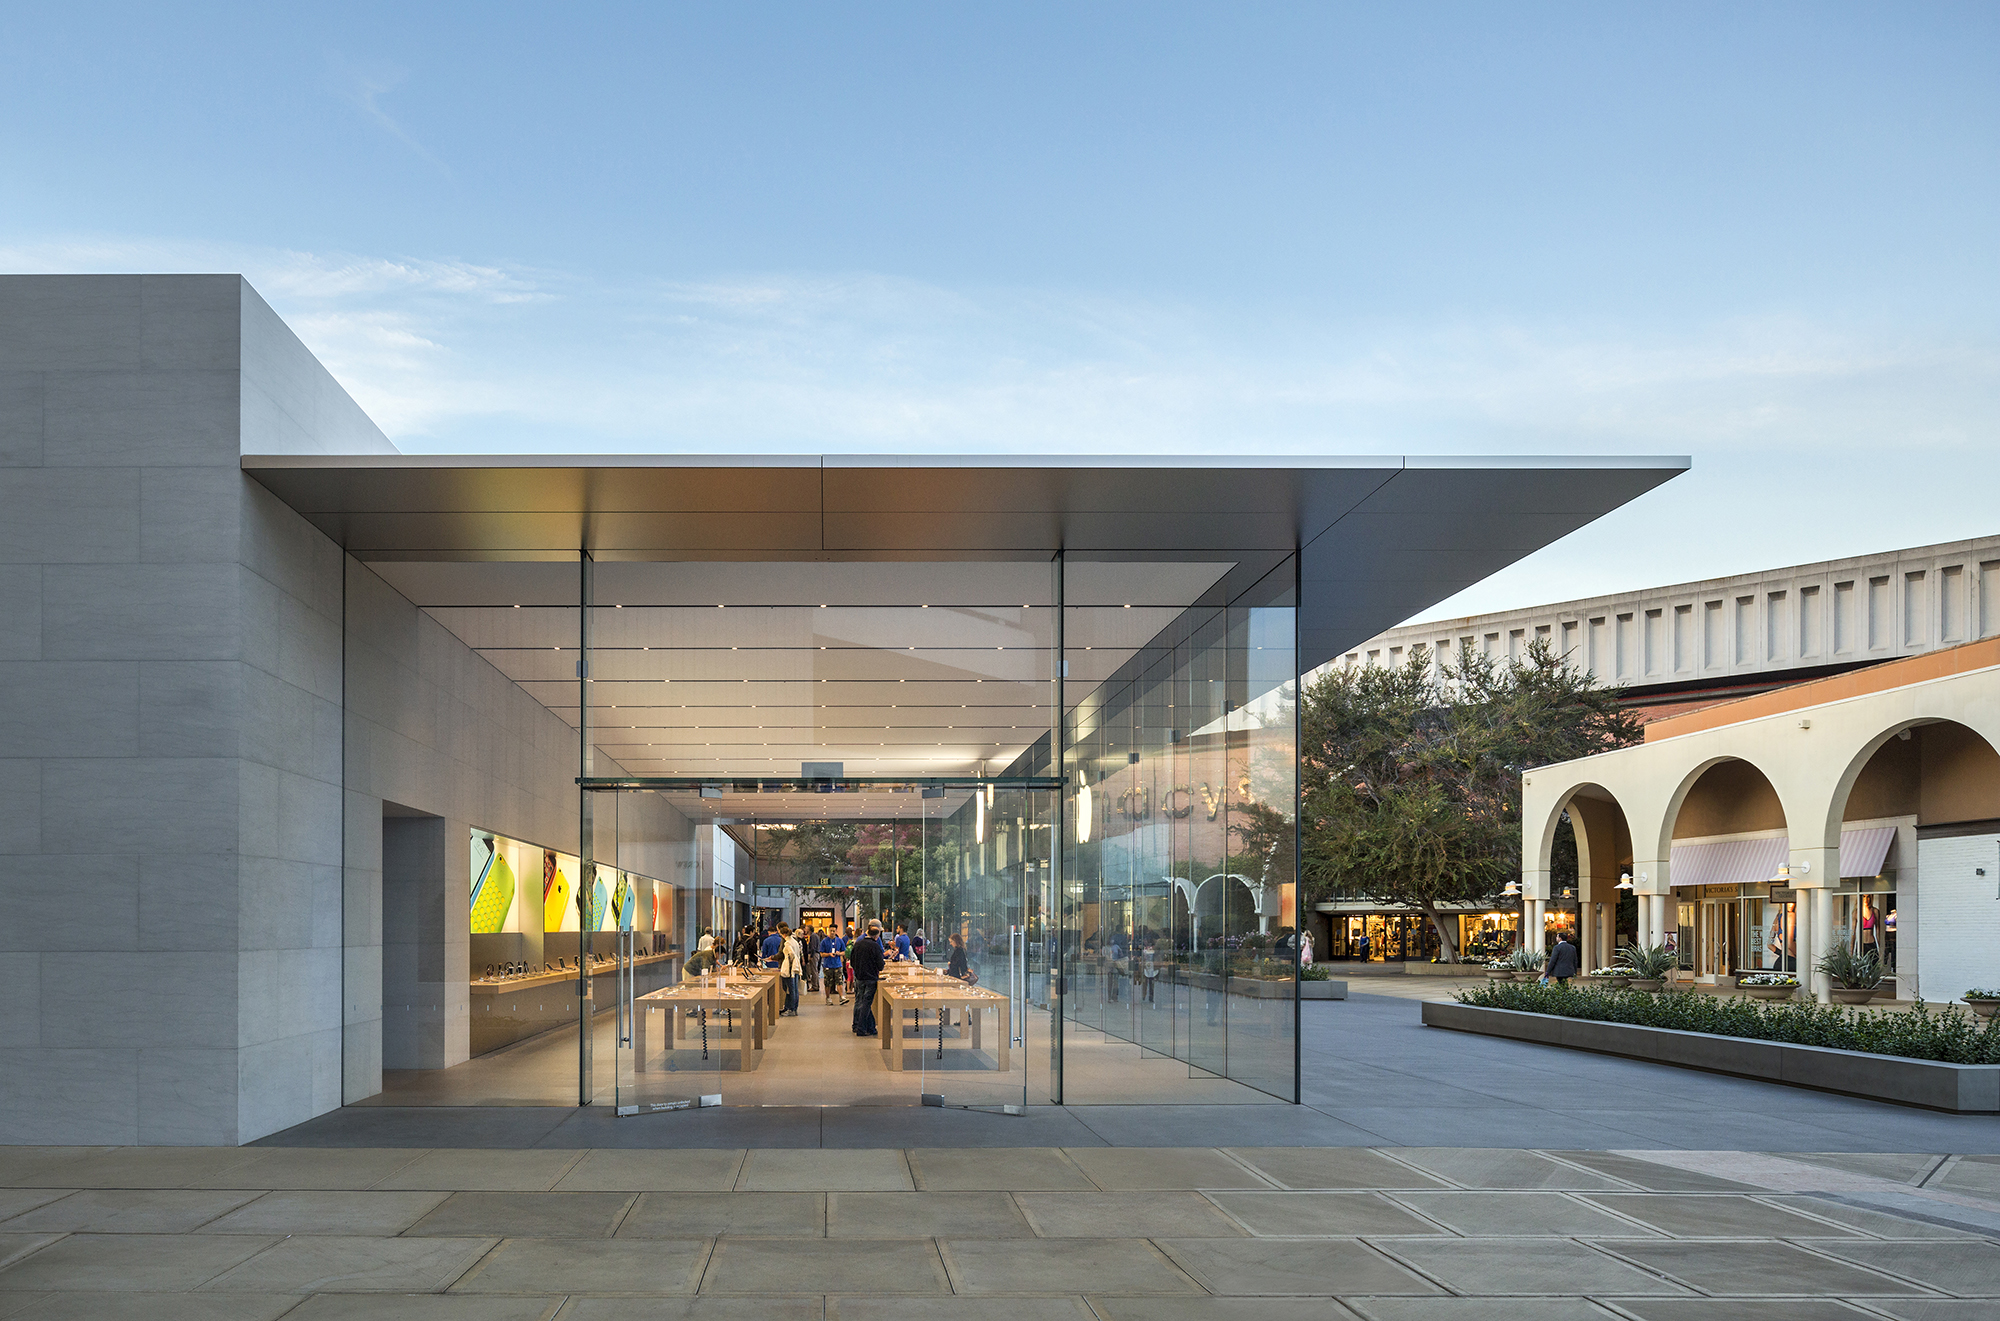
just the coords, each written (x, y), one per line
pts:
(1428, 1177)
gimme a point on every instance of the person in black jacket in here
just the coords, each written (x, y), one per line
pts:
(865, 957)
(957, 965)
(1563, 962)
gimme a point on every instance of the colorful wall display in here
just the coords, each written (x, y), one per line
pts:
(501, 902)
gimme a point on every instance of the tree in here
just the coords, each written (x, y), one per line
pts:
(1410, 777)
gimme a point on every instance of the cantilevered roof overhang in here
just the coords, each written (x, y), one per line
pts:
(1381, 538)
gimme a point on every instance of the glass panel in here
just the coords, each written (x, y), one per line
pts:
(1180, 896)
(682, 1022)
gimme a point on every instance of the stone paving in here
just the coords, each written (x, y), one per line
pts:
(1113, 1233)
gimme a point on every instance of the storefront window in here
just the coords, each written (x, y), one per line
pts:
(1864, 918)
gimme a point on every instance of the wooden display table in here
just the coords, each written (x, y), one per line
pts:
(683, 1005)
(942, 994)
(904, 974)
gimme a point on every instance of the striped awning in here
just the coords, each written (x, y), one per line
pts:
(1862, 852)
(1754, 861)
(1729, 862)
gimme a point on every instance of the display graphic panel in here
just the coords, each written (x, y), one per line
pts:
(555, 892)
(492, 887)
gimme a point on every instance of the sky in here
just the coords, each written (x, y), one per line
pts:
(1763, 236)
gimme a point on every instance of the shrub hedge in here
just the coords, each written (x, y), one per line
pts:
(1952, 1036)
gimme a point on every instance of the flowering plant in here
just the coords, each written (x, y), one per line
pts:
(1609, 972)
(1982, 993)
(1768, 979)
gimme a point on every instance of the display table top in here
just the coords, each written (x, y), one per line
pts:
(529, 982)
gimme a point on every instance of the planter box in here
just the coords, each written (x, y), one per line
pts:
(1326, 990)
(1960, 1088)
(1445, 969)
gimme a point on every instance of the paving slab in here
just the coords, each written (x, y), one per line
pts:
(643, 1267)
(1969, 1268)
(481, 1171)
(915, 1215)
(129, 1211)
(870, 1266)
(330, 1168)
(13, 1247)
(1253, 1267)
(143, 1263)
(144, 1167)
(26, 1167)
(352, 1264)
(1478, 1309)
(1321, 1215)
(863, 1170)
(1017, 1266)
(698, 1215)
(1498, 1168)
(1903, 1167)
(15, 1201)
(527, 1215)
(1127, 1169)
(160, 1307)
(1156, 1214)
(1502, 1266)
(1635, 1169)
(702, 1169)
(1978, 1175)
(312, 1211)
(956, 1309)
(1332, 1168)
(1747, 1270)
(1017, 1169)
(1715, 1215)
(1869, 1220)
(1934, 1309)
(1520, 1215)
(419, 1307)
(1224, 1309)
(803, 1308)
(1741, 1309)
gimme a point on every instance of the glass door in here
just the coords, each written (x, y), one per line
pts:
(681, 1018)
(965, 1019)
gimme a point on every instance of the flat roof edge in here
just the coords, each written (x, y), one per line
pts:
(1069, 462)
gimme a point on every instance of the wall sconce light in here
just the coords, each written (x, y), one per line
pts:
(1624, 882)
(1511, 890)
(1083, 815)
(979, 818)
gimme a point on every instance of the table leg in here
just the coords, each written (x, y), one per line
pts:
(1003, 1017)
(641, 1013)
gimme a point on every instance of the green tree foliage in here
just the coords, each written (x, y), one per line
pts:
(1410, 777)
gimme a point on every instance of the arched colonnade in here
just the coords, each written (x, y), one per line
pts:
(1779, 784)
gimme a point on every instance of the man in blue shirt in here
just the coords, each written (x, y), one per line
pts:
(902, 944)
(833, 966)
(773, 950)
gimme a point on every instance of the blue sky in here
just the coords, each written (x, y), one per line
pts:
(1763, 235)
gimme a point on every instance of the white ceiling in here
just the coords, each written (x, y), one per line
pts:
(751, 669)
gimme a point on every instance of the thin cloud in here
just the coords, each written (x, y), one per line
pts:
(364, 88)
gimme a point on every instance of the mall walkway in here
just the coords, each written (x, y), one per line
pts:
(1374, 1077)
(1116, 1234)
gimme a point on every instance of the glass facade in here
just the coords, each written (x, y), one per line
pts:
(1179, 898)
(1071, 785)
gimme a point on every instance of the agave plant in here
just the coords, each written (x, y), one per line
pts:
(1524, 959)
(1648, 962)
(1850, 969)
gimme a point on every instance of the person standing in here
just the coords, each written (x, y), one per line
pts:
(956, 965)
(773, 948)
(864, 956)
(1563, 961)
(790, 965)
(917, 944)
(833, 965)
(903, 952)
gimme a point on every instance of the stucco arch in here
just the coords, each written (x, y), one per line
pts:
(1841, 789)
(1684, 786)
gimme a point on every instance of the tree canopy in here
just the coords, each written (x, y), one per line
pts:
(1410, 776)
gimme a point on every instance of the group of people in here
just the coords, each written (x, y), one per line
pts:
(847, 966)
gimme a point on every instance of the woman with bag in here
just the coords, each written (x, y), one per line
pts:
(957, 966)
